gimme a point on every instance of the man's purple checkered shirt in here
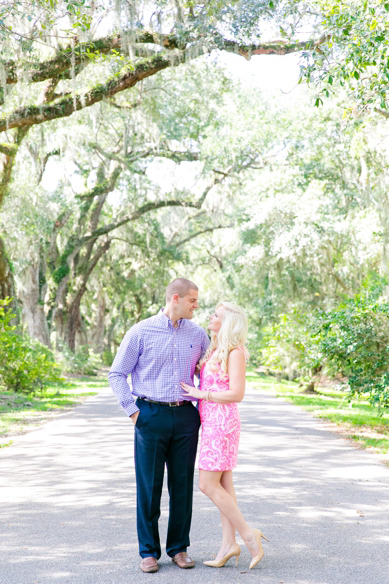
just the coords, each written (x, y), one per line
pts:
(159, 357)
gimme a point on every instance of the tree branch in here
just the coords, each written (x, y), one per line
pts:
(109, 185)
(75, 244)
(102, 188)
(175, 155)
(37, 72)
(201, 232)
(8, 149)
(84, 53)
(181, 226)
(270, 48)
(139, 212)
(99, 253)
(124, 107)
(54, 152)
(123, 160)
(32, 115)
(9, 161)
(143, 246)
(381, 112)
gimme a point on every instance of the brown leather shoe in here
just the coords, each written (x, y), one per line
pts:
(183, 560)
(149, 564)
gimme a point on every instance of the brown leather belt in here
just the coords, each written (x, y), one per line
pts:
(171, 404)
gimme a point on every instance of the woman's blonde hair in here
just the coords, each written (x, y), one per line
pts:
(232, 334)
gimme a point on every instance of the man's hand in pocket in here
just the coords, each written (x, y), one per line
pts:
(134, 417)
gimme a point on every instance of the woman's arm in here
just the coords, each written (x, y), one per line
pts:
(236, 372)
(236, 369)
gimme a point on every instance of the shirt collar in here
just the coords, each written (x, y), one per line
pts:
(165, 320)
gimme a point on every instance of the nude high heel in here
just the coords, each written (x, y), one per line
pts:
(256, 559)
(234, 552)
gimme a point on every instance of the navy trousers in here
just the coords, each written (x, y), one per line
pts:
(165, 436)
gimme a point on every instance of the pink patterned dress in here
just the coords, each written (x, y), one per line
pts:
(220, 425)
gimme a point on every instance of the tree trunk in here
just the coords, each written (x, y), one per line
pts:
(383, 213)
(74, 320)
(310, 387)
(7, 284)
(139, 307)
(110, 337)
(32, 291)
(98, 333)
(74, 316)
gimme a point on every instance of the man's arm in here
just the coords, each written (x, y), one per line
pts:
(204, 344)
(124, 363)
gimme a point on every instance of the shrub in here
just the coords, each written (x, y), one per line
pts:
(26, 364)
(351, 339)
(354, 338)
(83, 361)
(107, 357)
(288, 347)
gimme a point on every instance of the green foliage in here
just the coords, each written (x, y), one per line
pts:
(83, 362)
(354, 339)
(353, 52)
(107, 357)
(351, 339)
(287, 346)
(26, 365)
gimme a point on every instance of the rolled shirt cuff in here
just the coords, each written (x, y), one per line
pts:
(131, 409)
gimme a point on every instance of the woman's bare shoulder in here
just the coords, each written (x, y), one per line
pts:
(237, 355)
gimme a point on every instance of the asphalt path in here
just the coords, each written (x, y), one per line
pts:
(67, 494)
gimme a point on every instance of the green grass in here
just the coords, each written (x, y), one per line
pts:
(358, 420)
(22, 412)
(379, 444)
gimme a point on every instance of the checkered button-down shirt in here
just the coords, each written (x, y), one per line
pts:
(159, 357)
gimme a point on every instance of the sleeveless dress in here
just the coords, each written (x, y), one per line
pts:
(220, 425)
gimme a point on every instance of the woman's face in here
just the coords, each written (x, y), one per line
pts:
(215, 320)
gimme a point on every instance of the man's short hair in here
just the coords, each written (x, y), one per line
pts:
(180, 286)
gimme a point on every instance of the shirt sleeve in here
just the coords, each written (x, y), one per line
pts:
(124, 363)
(204, 344)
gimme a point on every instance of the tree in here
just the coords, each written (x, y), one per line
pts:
(353, 54)
(309, 230)
(69, 234)
(69, 67)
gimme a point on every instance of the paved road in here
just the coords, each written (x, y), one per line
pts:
(68, 503)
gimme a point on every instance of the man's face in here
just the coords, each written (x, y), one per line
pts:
(187, 304)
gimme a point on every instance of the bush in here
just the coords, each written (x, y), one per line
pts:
(83, 361)
(288, 347)
(354, 338)
(26, 364)
(351, 339)
(107, 357)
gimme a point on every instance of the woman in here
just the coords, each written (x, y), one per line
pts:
(222, 385)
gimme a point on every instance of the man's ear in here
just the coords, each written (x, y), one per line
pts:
(175, 298)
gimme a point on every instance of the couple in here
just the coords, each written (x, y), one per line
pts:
(163, 353)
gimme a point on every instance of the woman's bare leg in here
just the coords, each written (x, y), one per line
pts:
(228, 530)
(225, 501)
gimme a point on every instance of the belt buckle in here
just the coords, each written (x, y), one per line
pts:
(174, 404)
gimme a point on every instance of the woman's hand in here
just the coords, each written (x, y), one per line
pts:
(192, 391)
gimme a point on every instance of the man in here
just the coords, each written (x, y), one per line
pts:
(160, 352)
